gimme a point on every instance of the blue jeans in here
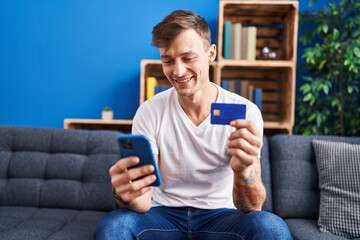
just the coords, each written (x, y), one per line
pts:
(191, 223)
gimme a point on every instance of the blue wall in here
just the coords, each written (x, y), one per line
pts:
(70, 58)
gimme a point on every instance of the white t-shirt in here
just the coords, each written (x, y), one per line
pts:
(193, 160)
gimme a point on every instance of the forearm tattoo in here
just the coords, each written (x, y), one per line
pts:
(251, 179)
(249, 196)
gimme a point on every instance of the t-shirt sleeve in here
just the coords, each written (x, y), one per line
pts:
(144, 123)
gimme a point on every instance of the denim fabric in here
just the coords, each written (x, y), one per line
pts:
(191, 223)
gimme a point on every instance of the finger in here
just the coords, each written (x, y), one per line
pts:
(246, 159)
(131, 196)
(243, 145)
(139, 184)
(129, 175)
(242, 123)
(242, 138)
(123, 164)
(139, 172)
(135, 188)
(247, 133)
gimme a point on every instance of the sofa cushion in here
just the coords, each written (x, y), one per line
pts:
(57, 168)
(301, 229)
(50, 224)
(338, 164)
(294, 175)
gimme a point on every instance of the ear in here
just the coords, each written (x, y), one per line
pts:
(212, 53)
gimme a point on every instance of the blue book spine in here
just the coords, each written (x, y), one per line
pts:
(225, 84)
(161, 88)
(227, 40)
(258, 97)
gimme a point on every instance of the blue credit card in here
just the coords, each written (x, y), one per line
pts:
(224, 113)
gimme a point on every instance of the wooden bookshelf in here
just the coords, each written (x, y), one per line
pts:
(119, 124)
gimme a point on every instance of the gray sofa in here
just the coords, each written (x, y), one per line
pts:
(54, 183)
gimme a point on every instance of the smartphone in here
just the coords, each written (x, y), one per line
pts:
(139, 146)
(224, 113)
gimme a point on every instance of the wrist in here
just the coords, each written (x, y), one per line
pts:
(119, 199)
(246, 177)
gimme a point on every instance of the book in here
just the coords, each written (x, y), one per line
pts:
(227, 40)
(237, 41)
(233, 42)
(232, 87)
(151, 83)
(225, 84)
(244, 42)
(161, 88)
(251, 43)
(258, 92)
(244, 84)
(250, 92)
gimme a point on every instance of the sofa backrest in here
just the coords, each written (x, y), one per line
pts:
(266, 175)
(294, 174)
(57, 168)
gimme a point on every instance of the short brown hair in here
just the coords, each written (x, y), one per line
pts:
(176, 22)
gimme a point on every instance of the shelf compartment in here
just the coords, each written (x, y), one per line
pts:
(276, 83)
(276, 23)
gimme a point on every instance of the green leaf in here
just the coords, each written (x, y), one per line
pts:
(312, 117)
(334, 102)
(326, 89)
(308, 78)
(305, 88)
(325, 27)
(322, 63)
(357, 52)
(347, 62)
(318, 120)
(350, 89)
(307, 97)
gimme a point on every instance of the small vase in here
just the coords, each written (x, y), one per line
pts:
(107, 115)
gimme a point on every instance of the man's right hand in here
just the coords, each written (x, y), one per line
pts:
(132, 184)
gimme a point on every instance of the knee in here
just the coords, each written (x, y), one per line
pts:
(113, 224)
(266, 225)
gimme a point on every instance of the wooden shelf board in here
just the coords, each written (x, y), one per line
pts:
(257, 63)
(276, 125)
(115, 124)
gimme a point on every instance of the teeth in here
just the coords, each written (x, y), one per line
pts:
(182, 80)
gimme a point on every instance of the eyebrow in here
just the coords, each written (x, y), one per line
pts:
(164, 56)
(183, 54)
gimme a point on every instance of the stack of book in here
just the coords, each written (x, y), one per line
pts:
(239, 42)
(245, 89)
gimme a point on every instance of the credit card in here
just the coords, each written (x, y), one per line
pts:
(224, 113)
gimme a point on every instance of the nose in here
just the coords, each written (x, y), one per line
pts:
(179, 69)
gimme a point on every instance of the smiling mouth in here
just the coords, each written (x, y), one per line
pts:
(184, 80)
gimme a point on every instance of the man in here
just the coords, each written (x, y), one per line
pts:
(212, 187)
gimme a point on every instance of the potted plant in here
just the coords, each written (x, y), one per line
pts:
(329, 101)
(107, 114)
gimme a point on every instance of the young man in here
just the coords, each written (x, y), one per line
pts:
(212, 187)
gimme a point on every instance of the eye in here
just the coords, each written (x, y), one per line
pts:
(189, 59)
(166, 60)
